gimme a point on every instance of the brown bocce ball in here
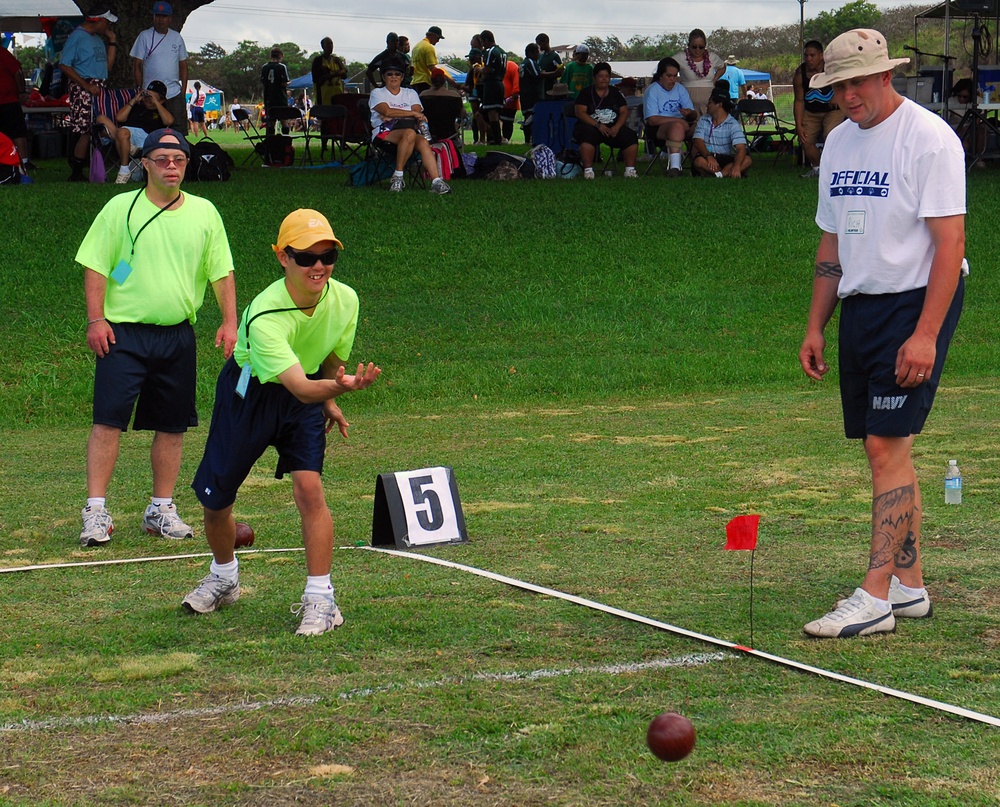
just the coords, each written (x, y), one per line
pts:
(244, 534)
(670, 736)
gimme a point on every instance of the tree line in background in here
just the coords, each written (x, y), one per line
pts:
(771, 49)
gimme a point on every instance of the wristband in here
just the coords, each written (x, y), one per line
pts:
(94, 321)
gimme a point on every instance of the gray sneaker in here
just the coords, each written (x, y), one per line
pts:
(212, 592)
(440, 186)
(812, 173)
(319, 615)
(163, 521)
(97, 526)
(906, 605)
(396, 184)
(855, 616)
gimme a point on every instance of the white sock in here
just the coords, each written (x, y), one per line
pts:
(397, 173)
(96, 501)
(123, 169)
(882, 605)
(675, 159)
(157, 501)
(227, 571)
(912, 592)
(319, 586)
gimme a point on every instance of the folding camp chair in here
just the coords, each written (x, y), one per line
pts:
(763, 129)
(330, 117)
(251, 134)
(354, 131)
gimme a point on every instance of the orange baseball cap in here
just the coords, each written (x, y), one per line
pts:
(304, 227)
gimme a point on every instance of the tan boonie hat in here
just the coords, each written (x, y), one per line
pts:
(861, 52)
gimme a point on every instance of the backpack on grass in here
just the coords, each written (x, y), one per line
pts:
(209, 162)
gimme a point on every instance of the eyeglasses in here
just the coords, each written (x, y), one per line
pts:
(391, 73)
(307, 259)
(696, 47)
(163, 162)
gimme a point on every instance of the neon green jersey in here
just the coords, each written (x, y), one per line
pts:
(283, 338)
(176, 256)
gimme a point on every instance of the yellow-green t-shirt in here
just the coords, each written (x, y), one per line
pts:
(283, 338)
(176, 256)
(423, 59)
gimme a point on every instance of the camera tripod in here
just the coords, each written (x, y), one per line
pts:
(975, 120)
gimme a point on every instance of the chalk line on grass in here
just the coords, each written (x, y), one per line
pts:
(122, 561)
(362, 692)
(645, 620)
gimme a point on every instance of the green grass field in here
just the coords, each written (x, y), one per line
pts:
(610, 368)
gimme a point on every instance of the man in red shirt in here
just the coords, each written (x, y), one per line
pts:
(12, 94)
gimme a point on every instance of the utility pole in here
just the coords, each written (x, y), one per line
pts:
(802, 24)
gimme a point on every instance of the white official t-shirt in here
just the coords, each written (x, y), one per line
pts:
(406, 99)
(876, 188)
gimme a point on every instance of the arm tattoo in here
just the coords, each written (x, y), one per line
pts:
(828, 269)
(893, 540)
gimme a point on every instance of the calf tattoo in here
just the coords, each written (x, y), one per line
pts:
(829, 269)
(893, 539)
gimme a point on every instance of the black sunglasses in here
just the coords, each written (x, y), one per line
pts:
(307, 259)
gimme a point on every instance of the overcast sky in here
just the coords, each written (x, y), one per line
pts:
(359, 35)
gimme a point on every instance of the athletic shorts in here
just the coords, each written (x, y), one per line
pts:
(137, 136)
(816, 126)
(12, 121)
(492, 95)
(154, 364)
(872, 329)
(198, 114)
(585, 133)
(81, 105)
(243, 428)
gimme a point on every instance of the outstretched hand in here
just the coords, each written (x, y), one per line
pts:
(364, 377)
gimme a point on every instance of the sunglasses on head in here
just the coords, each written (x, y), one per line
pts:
(307, 259)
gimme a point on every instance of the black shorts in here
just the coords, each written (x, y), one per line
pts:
(872, 329)
(585, 133)
(492, 97)
(12, 121)
(154, 363)
(243, 428)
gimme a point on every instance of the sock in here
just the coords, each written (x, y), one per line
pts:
(319, 586)
(227, 571)
(158, 502)
(397, 173)
(882, 605)
(675, 159)
(912, 592)
(123, 169)
(94, 502)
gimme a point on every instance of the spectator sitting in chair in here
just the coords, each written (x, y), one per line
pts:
(145, 113)
(396, 114)
(668, 111)
(601, 116)
(719, 145)
(439, 80)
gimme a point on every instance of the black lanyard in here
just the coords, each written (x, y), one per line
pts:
(128, 218)
(250, 320)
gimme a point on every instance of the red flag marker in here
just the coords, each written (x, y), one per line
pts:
(741, 532)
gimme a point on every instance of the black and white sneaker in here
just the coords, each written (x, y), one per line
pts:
(858, 615)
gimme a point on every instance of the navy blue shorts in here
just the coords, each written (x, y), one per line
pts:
(198, 114)
(154, 363)
(872, 329)
(243, 428)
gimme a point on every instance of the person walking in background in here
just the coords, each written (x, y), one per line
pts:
(159, 54)
(147, 260)
(815, 113)
(198, 110)
(280, 389)
(274, 78)
(892, 215)
(86, 61)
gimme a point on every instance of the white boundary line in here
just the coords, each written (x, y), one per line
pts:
(122, 561)
(352, 694)
(510, 581)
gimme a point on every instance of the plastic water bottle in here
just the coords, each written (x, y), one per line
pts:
(953, 484)
(425, 130)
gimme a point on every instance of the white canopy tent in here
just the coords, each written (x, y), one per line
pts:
(25, 16)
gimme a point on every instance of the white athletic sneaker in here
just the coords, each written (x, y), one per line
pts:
(440, 186)
(163, 521)
(212, 592)
(396, 184)
(856, 616)
(630, 173)
(319, 615)
(97, 526)
(906, 605)
(123, 177)
(588, 173)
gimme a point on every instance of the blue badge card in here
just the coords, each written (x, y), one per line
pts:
(241, 385)
(121, 272)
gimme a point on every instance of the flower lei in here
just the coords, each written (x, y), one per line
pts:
(706, 63)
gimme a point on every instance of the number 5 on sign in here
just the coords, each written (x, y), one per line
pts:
(417, 509)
